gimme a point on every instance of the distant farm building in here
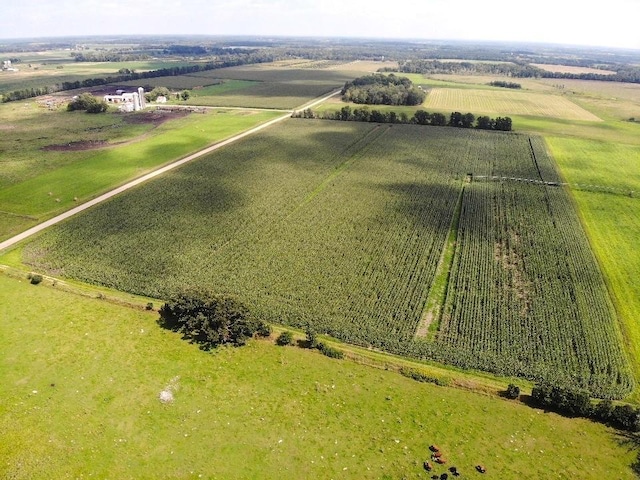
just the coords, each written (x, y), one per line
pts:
(6, 65)
(128, 102)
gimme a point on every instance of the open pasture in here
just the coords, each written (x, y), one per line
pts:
(59, 158)
(505, 102)
(82, 378)
(348, 236)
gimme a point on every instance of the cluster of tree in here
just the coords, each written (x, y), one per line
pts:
(108, 56)
(624, 73)
(163, 72)
(379, 89)
(153, 95)
(210, 320)
(87, 102)
(439, 67)
(575, 402)
(420, 117)
(503, 84)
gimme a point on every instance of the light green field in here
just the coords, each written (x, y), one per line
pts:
(45, 183)
(505, 102)
(82, 378)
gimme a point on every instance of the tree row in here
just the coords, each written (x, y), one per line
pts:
(420, 117)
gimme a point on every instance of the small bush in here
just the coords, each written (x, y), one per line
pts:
(513, 391)
(35, 278)
(264, 330)
(330, 351)
(149, 306)
(285, 338)
(419, 376)
(312, 337)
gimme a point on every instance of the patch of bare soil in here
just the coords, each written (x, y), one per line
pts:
(75, 146)
(513, 264)
(4, 126)
(155, 117)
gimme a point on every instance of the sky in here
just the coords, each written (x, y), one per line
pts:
(577, 22)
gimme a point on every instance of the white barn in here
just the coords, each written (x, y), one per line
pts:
(129, 102)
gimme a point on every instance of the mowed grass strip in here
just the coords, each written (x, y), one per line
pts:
(503, 103)
(81, 397)
(342, 225)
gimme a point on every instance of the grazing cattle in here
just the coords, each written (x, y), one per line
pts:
(444, 476)
(481, 468)
(440, 460)
(427, 466)
(437, 454)
(454, 471)
(434, 448)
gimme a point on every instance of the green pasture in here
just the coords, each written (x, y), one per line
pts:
(81, 398)
(45, 183)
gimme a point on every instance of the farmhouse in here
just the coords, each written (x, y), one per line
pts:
(129, 102)
(6, 66)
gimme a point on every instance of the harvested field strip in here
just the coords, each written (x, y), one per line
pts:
(430, 322)
(503, 103)
(320, 223)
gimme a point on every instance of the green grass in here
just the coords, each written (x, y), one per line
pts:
(81, 382)
(83, 175)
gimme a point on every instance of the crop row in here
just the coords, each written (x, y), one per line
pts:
(342, 225)
(525, 286)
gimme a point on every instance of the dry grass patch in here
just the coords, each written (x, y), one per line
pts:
(506, 103)
(571, 69)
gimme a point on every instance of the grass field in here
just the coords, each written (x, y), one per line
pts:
(39, 183)
(81, 382)
(501, 103)
(377, 201)
(571, 69)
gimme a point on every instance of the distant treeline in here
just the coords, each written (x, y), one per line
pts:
(503, 84)
(624, 73)
(128, 55)
(108, 56)
(163, 72)
(420, 117)
(379, 89)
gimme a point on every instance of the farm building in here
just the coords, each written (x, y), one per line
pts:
(129, 102)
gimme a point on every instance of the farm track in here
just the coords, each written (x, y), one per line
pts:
(116, 191)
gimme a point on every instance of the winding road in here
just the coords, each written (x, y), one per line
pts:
(112, 193)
